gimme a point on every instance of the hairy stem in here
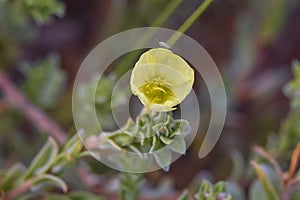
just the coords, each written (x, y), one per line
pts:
(19, 190)
(16, 99)
(187, 24)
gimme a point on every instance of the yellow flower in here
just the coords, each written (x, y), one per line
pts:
(161, 79)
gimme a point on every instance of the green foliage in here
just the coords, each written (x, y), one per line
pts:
(74, 195)
(44, 169)
(184, 195)
(70, 152)
(103, 99)
(82, 195)
(44, 82)
(12, 23)
(273, 21)
(208, 191)
(292, 89)
(267, 189)
(272, 182)
(130, 186)
(12, 177)
(289, 132)
(43, 160)
(41, 11)
(150, 134)
(44, 180)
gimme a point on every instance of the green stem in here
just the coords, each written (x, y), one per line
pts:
(187, 24)
(158, 21)
(165, 14)
(130, 186)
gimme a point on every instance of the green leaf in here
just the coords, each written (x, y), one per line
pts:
(184, 195)
(44, 180)
(165, 140)
(157, 127)
(120, 140)
(296, 69)
(73, 146)
(12, 177)
(220, 187)
(178, 145)
(43, 160)
(82, 195)
(208, 191)
(84, 154)
(205, 190)
(272, 23)
(130, 186)
(60, 163)
(295, 195)
(70, 152)
(156, 144)
(163, 158)
(269, 189)
(182, 128)
(41, 11)
(57, 197)
(136, 150)
(289, 134)
(236, 191)
(292, 88)
(238, 168)
(28, 196)
(44, 82)
(256, 191)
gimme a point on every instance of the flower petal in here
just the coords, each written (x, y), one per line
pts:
(161, 79)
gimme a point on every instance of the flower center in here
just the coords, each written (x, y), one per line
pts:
(157, 93)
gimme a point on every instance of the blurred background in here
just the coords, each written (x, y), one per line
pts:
(42, 45)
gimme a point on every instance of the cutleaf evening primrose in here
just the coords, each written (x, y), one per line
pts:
(161, 79)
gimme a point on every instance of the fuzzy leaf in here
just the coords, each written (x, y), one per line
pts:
(44, 82)
(70, 152)
(205, 190)
(43, 160)
(208, 191)
(120, 139)
(41, 11)
(220, 187)
(163, 158)
(73, 146)
(165, 140)
(156, 144)
(184, 126)
(269, 189)
(178, 145)
(12, 177)
(46, 180)
(256, 191)
(131, 185)
(157, 127)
